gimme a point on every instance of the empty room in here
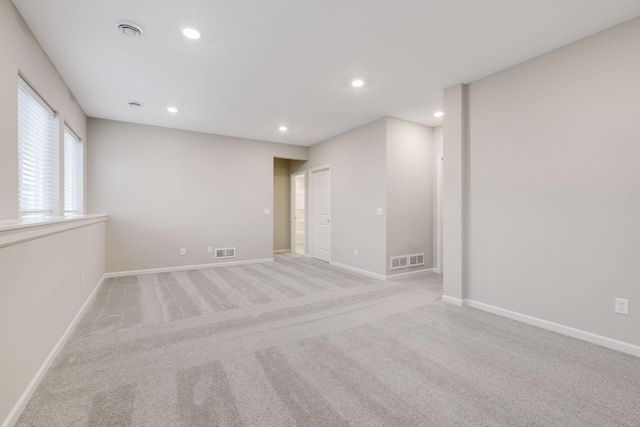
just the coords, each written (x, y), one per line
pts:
(319, 213)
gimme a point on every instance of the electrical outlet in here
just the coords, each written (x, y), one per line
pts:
(183, 251)
(355, 252)
(622, 306)
(210, 250)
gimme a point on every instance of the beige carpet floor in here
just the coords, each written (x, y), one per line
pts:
(298, 342)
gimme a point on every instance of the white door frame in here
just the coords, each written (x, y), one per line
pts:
(293, 212)
(310, 212)
(439, 194)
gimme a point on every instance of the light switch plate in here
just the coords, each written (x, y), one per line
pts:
(267, 211)
(379, 211)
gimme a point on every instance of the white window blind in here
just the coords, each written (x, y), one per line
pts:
(73, 173)
(38, 158)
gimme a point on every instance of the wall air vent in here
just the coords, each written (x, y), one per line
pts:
(226, 253)
(398, 262)
(130, 29)
(135, 104)
(416, 259)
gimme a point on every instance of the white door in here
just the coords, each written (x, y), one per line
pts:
(322, 215)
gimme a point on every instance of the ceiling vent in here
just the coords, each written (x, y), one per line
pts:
(130, 29)
(134, 104)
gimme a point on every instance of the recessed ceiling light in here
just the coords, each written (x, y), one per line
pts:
(438, 114)
(191, 33)
(283, 128)
(357, 83)
(172, 109)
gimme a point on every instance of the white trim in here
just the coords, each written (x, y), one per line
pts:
(185, 267)
(453, 300)
(409, 274)
(358, 270)
(16, 224)
(16, 411)
(556, 327)
(600, 340)
(281, 251)
(293, 205)
(14, 232)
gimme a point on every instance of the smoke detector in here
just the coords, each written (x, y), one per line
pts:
(135, 104)
(130, 29)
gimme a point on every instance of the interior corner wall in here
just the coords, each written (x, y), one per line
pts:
(40, 279)
(281, 205)
(555, 185)
(438, 154)
(358, 188)
(410, 192)
(167, 189)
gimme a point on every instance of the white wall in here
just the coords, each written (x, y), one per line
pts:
(386, 164)
(358, 186)
(167, 189)
(555, 185)
(410, 192)
(41, 292)
(40, 279)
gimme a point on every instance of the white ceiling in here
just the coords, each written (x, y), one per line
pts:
(261, 64)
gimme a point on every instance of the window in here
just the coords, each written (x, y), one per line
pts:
(38, 158)
(73, 176)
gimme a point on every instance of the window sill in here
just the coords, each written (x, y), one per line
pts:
(17, 231)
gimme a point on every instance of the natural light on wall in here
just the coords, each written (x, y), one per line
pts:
(37, 155)
(73, 176)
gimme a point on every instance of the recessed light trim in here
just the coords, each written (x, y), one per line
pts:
(357, 83)
(438, 114)
(283, 128)
(191, 33)
(172, 110)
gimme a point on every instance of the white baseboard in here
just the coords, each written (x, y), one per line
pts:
(452, 300)
(282, 251)
(379, 276)
(409, 274)
(358, 270)
(22, 402)
(185, 267)
(600, 340)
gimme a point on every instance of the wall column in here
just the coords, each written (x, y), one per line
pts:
(455, 188)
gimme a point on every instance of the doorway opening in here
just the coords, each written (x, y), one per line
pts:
(298, 212)
(283, 205)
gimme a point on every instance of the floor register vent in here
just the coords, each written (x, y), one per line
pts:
(226, 253)
(416, 259)
(398, 262)
(405, 261)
